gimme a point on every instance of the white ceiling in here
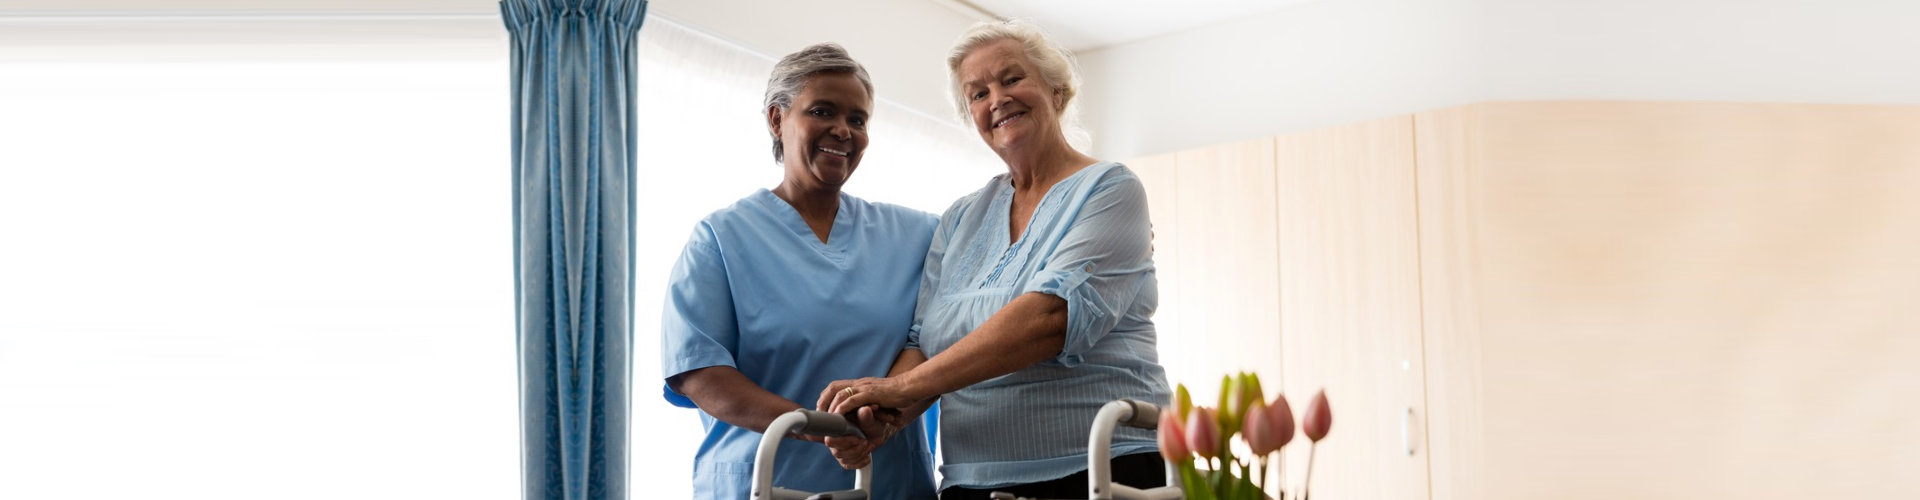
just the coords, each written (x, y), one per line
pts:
(1084, 25)
(1081, 25)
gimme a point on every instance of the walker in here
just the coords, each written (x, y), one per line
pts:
(1100, 485)
(810, 423)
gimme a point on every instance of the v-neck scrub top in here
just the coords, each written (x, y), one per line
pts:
(756, 290)
(1088, 242)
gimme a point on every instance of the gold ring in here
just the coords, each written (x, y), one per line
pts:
(847, 391)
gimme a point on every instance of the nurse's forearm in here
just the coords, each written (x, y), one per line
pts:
(728, 395)
(1030, 329)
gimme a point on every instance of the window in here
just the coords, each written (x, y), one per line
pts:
(284, 269)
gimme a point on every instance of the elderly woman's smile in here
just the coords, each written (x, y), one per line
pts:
(1008, 118)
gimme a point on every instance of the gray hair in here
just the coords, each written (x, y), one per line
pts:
(791, 74)
(1056, 65)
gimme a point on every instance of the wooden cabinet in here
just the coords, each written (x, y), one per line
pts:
(1311, 235)
(1229, 280)
(1574, 299)
(1671, 300)
(1350, 305)
(1157, 174)
(1214, 241)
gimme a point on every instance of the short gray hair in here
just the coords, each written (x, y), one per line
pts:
(791, 74)
(1054, 62)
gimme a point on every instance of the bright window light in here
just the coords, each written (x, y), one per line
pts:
(244, 279)
(291, 278)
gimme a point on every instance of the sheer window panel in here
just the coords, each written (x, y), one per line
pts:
(226, 276)
(254, 278)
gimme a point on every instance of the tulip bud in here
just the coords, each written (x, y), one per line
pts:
(1251, 389)
(1281, 420)
(1259, 433)
(1182, 401)
(1231, 405)
(1203, 434)
(1173, 438)
(1318, 419)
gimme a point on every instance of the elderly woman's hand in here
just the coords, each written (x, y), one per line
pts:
(878, 426)
(844, 396)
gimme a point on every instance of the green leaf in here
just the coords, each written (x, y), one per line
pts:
(1196, 487)
(1248, 491)
(1182, 401)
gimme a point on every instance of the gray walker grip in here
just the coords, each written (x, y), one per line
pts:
(820, 423)
(1145, 415)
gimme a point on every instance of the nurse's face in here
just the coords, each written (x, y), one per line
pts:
(824, 133)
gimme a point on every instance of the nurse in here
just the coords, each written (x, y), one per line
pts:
(794, 287)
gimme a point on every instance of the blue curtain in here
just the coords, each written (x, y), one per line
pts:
(573, 208)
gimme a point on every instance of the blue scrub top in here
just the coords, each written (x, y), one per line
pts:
(754, 289)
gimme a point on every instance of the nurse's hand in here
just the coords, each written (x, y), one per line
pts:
(852, 452)
(843, 396)
(877, 425)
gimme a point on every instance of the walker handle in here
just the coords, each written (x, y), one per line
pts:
(1145, 415)
(826, 424)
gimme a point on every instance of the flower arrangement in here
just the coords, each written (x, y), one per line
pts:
(1194, 435)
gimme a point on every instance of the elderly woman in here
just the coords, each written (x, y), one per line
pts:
(1035, 303)
(793, 287)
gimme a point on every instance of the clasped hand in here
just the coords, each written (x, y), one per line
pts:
(873, 406)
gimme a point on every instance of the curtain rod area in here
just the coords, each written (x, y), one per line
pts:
(163, 16)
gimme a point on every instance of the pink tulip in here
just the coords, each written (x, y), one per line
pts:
(1258, 434)
(1280, 418)
(1318, 419)
(1203, 434)
(1173, 438)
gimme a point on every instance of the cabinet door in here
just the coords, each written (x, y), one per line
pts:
(1157, 174)
(1228, 291)
(1350, 306)
(1446, 185)
(1672, 300)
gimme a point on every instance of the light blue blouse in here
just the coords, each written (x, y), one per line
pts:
(754, 289)
(1089, 242)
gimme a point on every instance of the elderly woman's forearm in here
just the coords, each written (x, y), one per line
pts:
(1030, 329)
(909, 359)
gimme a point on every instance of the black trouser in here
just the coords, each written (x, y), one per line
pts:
(1139, 470)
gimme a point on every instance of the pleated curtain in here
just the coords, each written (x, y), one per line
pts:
(573, 208)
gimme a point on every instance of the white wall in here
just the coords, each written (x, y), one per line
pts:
(1338, 61)
(903, 44)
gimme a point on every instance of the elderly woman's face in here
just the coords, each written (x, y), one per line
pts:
(1012, 105)
(824, 132)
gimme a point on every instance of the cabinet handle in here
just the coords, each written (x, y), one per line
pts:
(1406, 430)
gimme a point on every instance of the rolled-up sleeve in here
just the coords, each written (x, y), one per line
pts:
(697, 327)
(1100, 264)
